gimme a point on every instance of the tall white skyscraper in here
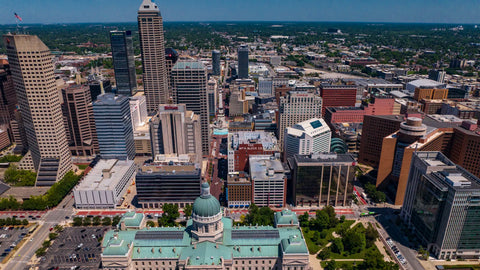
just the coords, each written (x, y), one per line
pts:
(39, 101)
(152, 44)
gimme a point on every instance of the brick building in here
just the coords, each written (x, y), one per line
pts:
(338, 95)
(242, 144)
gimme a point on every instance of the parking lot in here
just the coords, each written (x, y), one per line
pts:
(75, 246)
(10, 237)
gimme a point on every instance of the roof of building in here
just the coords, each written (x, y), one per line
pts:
(178, 242)
(266, 139)
(188, 65)
(293, 245)
(148, 5)
(286, 217)
(426, 83)
(206, 205)
(106, 174)
(371, 82)
(132, 219)
(311, 127)
(265, 167)
(110, 99)
(317, 158)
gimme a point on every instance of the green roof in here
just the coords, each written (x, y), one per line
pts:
(206, 205)
(206, 253)
(117, 246)
(173, 244)
(294, 245)
(188, 65)
(286, 217)
(132, 219)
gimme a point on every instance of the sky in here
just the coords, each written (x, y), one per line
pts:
(77, 11)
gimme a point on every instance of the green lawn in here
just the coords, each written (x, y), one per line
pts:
(82, 166)
(472, 267)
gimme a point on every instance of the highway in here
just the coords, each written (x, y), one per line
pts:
(51, 218)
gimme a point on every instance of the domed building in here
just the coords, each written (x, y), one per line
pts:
(206, 216)
(209, 241)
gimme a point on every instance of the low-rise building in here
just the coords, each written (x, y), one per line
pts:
(239, 190)
(269, 182)
(209, 241)
(168, 180)
(242, 144)
(105, 184)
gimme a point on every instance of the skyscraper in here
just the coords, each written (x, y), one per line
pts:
(297, 107)
(155, 82)
(114, 127)
(123, 62)
(171, 57)
(39, 102)
(77, 105)
(216, 63)
(174, 130)
(243, 62)
(189, 80)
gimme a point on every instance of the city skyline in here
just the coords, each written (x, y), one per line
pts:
(90, 11)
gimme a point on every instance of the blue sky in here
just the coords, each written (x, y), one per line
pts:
(72, 11)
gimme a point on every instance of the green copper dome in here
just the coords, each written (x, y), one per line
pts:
(206, 205)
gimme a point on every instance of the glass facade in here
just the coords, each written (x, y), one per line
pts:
(123, 62)
(428, 207)
(327, 184)
(470, 237)
(155, 188)
(114, 127)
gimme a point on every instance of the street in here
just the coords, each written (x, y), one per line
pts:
(50, 219)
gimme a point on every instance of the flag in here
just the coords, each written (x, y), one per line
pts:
(18, 17)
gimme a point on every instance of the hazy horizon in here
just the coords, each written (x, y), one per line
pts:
(367, 11)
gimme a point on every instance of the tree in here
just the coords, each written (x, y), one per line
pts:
(424, 254)
(87, 221)
(58, 228)
(324, 254)
(106, 221)
(303, 219)
(24, 222)
(331, 265)
(97, 220)
(354, 242)
(46, 244)
(77, 221)
(116, 220)
(337, 246)
(52, 236)
(371, 235)
(373, 260)
(170, 214)
(263, 216)
(40, 252)
(150, 223)
(187, 210)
